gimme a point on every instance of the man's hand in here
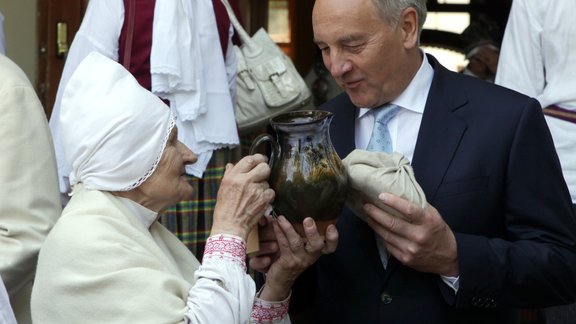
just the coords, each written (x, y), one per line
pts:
(422, 241)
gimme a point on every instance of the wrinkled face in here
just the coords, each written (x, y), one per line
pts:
(168, 184)
(367, 56)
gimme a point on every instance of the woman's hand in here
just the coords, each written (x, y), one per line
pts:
(286, 259)
(243, 196)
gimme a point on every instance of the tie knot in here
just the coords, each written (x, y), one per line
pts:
(385, 113)
(380, 139)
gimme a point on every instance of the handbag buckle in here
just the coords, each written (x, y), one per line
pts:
(247, 79)
(275, 79)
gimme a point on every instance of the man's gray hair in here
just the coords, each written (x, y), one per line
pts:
(390, 10)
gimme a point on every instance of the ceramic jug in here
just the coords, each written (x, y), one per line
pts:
(306, 172)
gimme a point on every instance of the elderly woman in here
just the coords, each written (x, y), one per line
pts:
(108, 260)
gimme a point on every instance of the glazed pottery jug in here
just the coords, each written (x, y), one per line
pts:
(306, 172)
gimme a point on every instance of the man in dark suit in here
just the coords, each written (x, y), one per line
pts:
(498, 232)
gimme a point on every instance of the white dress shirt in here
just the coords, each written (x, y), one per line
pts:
(538, 58)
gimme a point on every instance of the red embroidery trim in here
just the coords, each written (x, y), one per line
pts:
(226, 246)
(264, 312)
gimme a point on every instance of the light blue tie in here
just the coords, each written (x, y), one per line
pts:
(380, 139)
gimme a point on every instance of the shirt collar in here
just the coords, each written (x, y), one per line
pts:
(414, 96)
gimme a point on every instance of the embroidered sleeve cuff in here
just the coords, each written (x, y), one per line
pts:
(269, 312)
(225, 246)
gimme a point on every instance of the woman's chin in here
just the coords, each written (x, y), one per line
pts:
(186, 192)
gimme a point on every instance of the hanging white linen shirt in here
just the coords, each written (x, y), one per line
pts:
(108, 260)
(206, 128)
(538, 58)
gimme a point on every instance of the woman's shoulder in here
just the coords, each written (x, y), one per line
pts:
(94, 217)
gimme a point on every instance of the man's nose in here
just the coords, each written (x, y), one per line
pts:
(339, 65)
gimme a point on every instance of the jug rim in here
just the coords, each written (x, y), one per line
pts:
(288, 117)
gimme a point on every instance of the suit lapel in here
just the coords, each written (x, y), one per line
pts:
(440, 131)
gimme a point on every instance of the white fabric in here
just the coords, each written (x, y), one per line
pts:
(104, 241)
(538, 58)
(2, 37)
(174, 67)
(372, 172)
(185, 38)
(213, 267)
(29, 201)
(100, 31)
(98, 243)
(104, 109)
(6, 313)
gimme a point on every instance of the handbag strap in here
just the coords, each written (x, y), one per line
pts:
(130, 16)
(252, 47)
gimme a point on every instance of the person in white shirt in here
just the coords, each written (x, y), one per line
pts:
(538, 58)
(108, 260)
(29, 200)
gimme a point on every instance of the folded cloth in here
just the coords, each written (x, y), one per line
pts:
(187, 68)
(371, 173)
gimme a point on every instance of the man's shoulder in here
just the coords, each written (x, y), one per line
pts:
(481, 92)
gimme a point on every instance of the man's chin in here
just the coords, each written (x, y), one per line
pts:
(361, 102)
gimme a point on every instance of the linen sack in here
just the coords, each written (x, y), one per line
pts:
(371, 173)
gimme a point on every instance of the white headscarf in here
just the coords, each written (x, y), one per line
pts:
(113, 130)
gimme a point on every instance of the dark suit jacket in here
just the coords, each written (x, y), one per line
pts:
(486, 161)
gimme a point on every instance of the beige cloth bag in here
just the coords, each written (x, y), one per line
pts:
(371, 173)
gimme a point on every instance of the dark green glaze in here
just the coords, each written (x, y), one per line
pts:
(307, 174)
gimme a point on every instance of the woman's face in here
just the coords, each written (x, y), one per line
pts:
(168, 184)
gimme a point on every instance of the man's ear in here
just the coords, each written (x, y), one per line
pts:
(409, 24)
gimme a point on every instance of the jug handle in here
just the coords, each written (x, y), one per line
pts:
(262, 138)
